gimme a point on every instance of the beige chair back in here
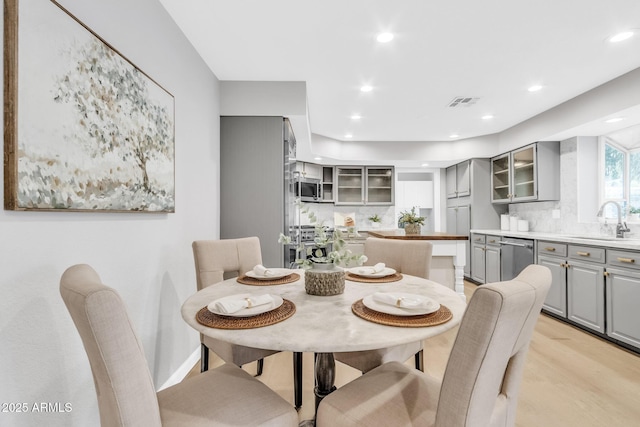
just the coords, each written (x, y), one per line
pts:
(481, 382)
(126, 394)
(217, 260)
(405, 256)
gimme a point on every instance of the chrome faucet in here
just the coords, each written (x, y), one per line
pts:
(620, 228)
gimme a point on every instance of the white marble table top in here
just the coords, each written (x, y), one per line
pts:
(324, 324)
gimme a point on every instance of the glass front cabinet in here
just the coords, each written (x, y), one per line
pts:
(359, 185)
(527, 174)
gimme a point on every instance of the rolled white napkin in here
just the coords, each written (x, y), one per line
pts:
(403, 301)
(261, 270)
(378, 268)
(235, 303)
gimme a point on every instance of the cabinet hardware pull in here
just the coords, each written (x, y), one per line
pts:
(550, 249)
(606, 274)
(583, 253)
(627, 260)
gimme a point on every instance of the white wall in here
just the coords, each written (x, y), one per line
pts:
(146, 257)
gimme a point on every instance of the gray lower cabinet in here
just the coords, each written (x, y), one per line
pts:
(459, 222)
(623, 294)
(553, 256)
(478, 259)
(585, 286)
(485, 258)
(585, 295)
(492, 259)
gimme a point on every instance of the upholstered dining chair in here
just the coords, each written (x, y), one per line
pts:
(215, 261)
(126, 395)
(411, 257)
(483, 374)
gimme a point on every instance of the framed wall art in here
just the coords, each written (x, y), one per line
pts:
(85, 129)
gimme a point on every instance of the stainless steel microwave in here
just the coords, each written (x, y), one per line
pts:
(309, 190)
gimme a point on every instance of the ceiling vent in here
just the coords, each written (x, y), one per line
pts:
(461, 101)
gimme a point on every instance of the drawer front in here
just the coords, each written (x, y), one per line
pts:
(625, 259)
(477, 239)
(493, 240)
(552, 248)
(587, 253)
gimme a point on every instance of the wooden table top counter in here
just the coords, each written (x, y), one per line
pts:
(427, 235)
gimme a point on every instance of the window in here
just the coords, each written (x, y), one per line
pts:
(620, 177)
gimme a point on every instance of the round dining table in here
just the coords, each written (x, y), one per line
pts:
(324, 324)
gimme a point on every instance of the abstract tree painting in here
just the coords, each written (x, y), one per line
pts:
(91, 131)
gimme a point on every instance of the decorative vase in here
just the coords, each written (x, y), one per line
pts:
(411, 228)
(324, 279)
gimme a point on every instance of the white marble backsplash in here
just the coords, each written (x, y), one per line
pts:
(325, 213)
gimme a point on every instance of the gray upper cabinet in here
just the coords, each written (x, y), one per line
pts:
(359, 185)
(530, 173)
(458, 180)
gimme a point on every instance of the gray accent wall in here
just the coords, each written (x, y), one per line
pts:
(146, 257)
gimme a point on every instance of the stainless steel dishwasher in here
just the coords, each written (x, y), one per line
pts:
(515, 255)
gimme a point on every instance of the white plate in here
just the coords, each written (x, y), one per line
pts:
(277, 273)
(369, 302)
(386, 272)
(248, 312)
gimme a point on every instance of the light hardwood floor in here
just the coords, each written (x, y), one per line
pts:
(571, 378)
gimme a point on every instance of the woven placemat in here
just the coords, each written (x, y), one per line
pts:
(386, 279)
(439, 317)
(246, 280)
(212, 320)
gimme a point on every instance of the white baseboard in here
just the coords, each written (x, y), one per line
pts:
(183, 370)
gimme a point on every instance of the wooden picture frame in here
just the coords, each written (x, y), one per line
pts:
(84, 128)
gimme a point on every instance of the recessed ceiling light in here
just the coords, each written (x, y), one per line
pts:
(614, 119)
(366, 88)
(356, 117)
(317, 158)
(454, 135)
(621, 36)
(424, 165)
(348, 135)
(487, 117)
(384, 37)
(534, 88)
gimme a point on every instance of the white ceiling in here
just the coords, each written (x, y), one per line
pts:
(492, 50)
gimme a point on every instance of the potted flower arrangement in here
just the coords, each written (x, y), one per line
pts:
(375, 220)
(411, 221)
(634, 214)
(318, 256)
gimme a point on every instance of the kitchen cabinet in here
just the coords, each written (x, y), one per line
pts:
(492, 259)
(485, 258)
(478, 258)
(622, 296)
(484, 215)
(458, 180)
(530, 173)
(327, 184)
(553, 256)
(370, 185)
(577, 283)
(309, 170)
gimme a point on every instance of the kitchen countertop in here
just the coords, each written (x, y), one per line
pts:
(427, 235)
(604, 241)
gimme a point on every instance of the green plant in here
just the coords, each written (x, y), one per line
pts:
(306, 256)
(375, 218)
(411, 217)
(634, 210)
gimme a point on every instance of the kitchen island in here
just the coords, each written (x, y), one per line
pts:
(448, 258)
